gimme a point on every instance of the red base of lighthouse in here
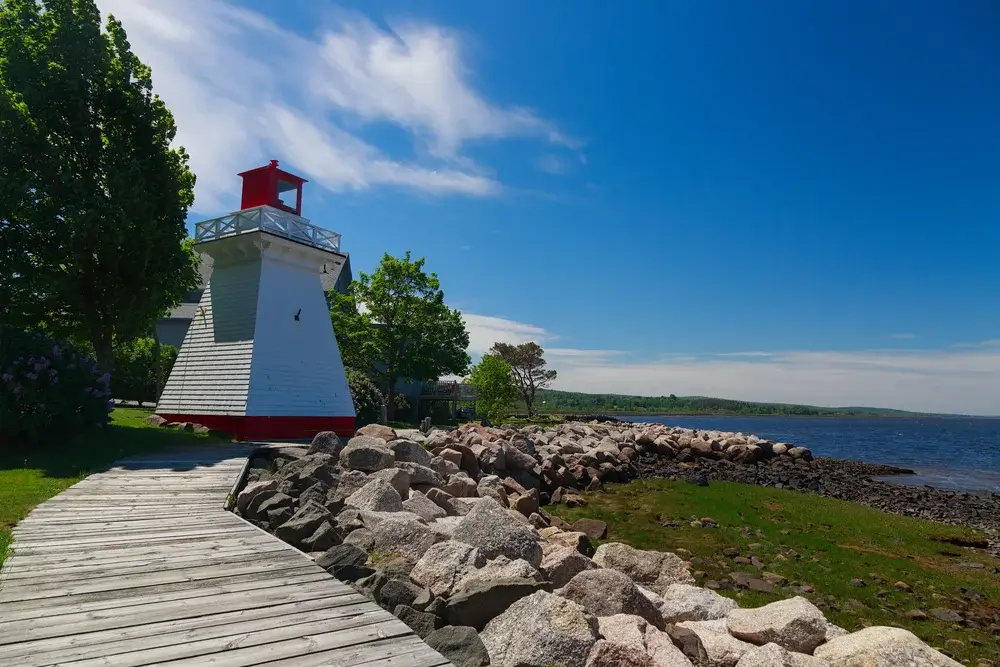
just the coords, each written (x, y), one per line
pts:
(243, 427)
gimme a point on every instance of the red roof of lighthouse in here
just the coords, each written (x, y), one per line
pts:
(263, 186)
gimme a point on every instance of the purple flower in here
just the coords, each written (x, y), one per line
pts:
(56, 350)
(6, 377)
(87, 390)
(105, 379)
(31, 376)
(70, 367)
(16, 389)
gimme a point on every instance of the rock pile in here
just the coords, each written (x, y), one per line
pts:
(448, 532)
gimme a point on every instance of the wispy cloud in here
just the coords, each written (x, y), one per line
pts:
(244, 89)
(961, 379)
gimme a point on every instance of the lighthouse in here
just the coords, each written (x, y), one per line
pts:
(260, 358)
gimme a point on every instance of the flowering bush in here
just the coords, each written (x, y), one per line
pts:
(48, 387)
(368, 400)
(135, 369)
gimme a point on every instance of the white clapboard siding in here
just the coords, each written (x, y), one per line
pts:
(296, 367)
(212, 371)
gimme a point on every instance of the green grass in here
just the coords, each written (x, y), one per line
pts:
(820, 542)
(30, 475)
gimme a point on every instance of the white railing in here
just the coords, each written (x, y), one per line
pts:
(270, 220)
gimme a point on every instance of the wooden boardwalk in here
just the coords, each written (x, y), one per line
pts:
(141, 565)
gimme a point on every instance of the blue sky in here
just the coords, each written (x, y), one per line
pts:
(759, 200)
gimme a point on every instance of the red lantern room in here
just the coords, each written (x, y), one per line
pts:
(264, 186)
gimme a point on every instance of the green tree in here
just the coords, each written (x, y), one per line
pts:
(496, 385)
(93, 200)
(394, 322)
(528, 365)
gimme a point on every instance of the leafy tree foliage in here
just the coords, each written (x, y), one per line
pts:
(528, 366)
(92, 198)
(404, 329)
(368, 400)
(498, 390)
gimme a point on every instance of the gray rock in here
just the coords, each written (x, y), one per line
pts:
(410, 452)
(444, 467)
(654, 569)
(346, 562)
(379, 431)
(275, 517)
(611, 654)
(377, 495)
(795, 624)
(303, 523)
(422, 623)
(306, 471)
(495, 532)
(316, 493)
(540, 630)
(502, 568)
(421, 505)
(367, 454)
(518, 460)
(460, 645)
(252, 490)
(460, 485)
(635, 632)
(478, 601)
(594, 529)
(444, 500)
(445, 526)
(420, 475)
(362, 538)
(402, 533)
(324, 537)
(397, 592)
(349, 482)
(399, 479)
(326, 442)
(444, 565)
(683, 602)
(490, 486)
(561, 564)
(605, 592)
(772, 655)
(708, 643)
(880, 646)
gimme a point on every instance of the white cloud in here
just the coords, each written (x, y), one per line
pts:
(244, 89)
(961, 379)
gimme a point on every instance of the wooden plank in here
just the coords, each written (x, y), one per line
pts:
(157, 635)
(28, 609)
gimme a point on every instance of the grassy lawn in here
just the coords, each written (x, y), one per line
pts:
(851, 556)
(31, 475)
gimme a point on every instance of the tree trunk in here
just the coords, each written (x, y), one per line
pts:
(390, 399)
(157, 371)
(103, 348)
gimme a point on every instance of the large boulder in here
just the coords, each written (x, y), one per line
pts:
(444, 565)
(422, 506)
(420, 475)
(380, 431)
(772, 655)
(502, 568)
(422, 623)
(345, 562)
(561, 564)
(476, 602)
(397, 593)
(708, 643)
(461, 645)
(251, 490)
(636, 632)
(399, 479)
(683, 602)
(306, 471)
(795, 624)
(605, 592)
(880, 646)
(401, 533)
(411, 452)
(541, 630)
(654, 569)
(490, 486)
(495, 532)
(612, 654)
(377, 495)
(303, 523)
(326, 442)
(366, 454)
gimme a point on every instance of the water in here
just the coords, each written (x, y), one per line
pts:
(959, 453)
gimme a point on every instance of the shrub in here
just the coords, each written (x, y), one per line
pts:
(403, 407)
(48, 387)
(135, 370)
(368, 400)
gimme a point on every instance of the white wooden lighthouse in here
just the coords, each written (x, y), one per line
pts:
(260, 359)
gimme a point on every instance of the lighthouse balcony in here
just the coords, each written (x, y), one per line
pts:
(272, 221)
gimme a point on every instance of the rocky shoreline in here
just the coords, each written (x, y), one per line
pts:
(448, 531)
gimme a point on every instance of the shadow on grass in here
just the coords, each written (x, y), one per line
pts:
(128, 436)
